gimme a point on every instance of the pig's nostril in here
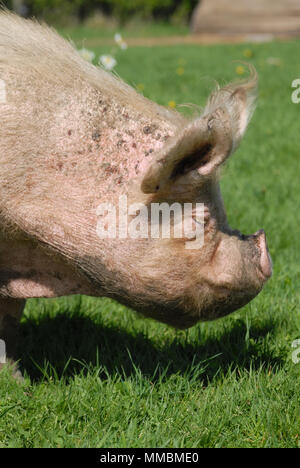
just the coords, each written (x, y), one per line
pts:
(260, 233)
(257, 237)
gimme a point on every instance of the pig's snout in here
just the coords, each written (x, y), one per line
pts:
(265, 262)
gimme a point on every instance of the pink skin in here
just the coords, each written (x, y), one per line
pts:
(72, 137)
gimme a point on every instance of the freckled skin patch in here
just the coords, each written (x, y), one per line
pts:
(96, 135)
(106, 131)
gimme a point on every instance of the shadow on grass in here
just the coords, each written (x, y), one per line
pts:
(65, 340)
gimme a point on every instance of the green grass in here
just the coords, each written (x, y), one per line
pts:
(134, 29)
(99, 376)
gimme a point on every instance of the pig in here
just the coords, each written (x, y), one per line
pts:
(74, 136)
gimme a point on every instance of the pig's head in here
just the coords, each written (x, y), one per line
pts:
(180, 285)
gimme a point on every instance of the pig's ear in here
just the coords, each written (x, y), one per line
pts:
(239, 101)
(205, 143)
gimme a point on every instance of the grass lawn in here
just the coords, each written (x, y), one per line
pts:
(97, 375)
(134, 29)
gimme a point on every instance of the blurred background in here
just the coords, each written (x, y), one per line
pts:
(279, 17)
(122, 11)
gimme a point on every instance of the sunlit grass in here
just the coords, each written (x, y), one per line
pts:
(99, 376)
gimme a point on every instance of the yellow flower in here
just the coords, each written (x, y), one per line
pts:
(248, 53)
(180, 71)
(240, 70)
(172, 104)
(140, 87)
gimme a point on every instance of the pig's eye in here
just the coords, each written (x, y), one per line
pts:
(192, 161)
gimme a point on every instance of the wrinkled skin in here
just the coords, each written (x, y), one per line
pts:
(79, 137)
